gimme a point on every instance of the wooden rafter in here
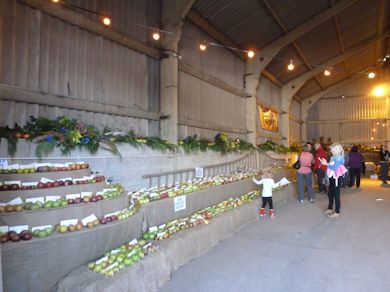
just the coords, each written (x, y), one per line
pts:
(212, 31)
(380, 21)
(297, 48)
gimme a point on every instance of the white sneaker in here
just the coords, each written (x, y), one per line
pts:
(301, 201)
(334, 215)
(328, 212)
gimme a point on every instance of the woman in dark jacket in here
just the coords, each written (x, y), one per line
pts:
(384, 162)
(355, 166)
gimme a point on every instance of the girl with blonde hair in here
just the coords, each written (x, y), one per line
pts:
(335, 172)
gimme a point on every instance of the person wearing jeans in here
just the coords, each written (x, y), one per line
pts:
(305, 175)
(336, 172)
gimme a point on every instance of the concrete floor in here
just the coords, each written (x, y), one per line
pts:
(302, 250)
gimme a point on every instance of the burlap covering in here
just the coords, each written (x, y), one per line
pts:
(162, 211)
(53, 175)
(37, 265)
(6, 196)
(53, 216)
(155, 269)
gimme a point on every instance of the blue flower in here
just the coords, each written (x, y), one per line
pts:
(86, 140)
(62, 130)
(50, 138)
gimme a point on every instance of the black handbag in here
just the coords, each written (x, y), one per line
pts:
(297, 165)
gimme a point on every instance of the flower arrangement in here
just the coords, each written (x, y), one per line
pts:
(69, 134)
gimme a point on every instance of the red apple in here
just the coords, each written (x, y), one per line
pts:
(70, 201)
(104, 220)
(14, 187)
(78, 200)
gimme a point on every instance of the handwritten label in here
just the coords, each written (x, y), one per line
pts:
(68, 222)
(46, 180)
(103, 259)
(16, 201)
(198, 172)
(133, 242)
(115, 251)
(4, 229)
(41, 227)
(18, 228)
(86, 194)
(72, 196)
(88, 219)
(179, 203)
(36, 200)
(153, 229)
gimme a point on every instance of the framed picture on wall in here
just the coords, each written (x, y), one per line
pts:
(268, 119)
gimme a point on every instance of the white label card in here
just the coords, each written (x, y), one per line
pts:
(72, 196)
(198, 172)
(4, 229)
(161, 226)
(147, 245)
(133, 242)
(65, 179)
(28, 184)
(111, 214)
(41, 227)
(52, 198)
(16, 201)
(69, 222)
(109, 190)
(3, 163)
(103, 259)
(18, 228)
(46, 180)
(179, 203)
(115, 251)
(153, 229)
(88, 219)
(13, 182)
(130, 254)
(86, 194)
(35, 200)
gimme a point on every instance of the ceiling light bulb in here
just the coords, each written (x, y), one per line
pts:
(251, 54)
(55, 1)
(203, 46)
(371, 75)
(378, 91)
(327, 72)
(106, 21)
(372, 138)
(291, 66)
(156, 35)
(377, 123)
(383, 125)
(373, 130)
(343, 96)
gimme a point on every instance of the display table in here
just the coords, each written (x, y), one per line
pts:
(53, 175)
(53, 216)
(6, 196)
(162, 211)
(182, 247)
(37, 265)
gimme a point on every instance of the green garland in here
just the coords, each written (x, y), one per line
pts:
(69, 134)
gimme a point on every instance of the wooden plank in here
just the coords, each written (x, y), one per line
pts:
(29, 96)
(187, 68)
(210, 126)
(79, 20)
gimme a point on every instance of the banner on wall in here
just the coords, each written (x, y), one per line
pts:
(268, 119)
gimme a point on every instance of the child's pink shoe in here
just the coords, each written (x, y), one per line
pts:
(262, 212)
(271, 214)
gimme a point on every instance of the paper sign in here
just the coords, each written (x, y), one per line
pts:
(103, 259)
(18, 228)
(59, 165)
(35, 200)
(3, 163)
(85, 194)
(88, 219)
(109, 190)
(41, 164)
(16, 201)
(13, 182)
(115, 251)
(13, 166)
(130, 254)
(28, 184)
(160, 234)
(41, 227)
(52, 198)
(80, 162)
(111, 214)
(153, 229)
(99, 193)
(69, 222)
(199, 172)
(4, 229)
(147, 245)
(161, 226)
(64, 179)
(179, 203)
(72, 196)
(133, 242)
(45, 180)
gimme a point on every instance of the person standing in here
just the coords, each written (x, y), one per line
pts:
(268, 184)
(318, 168)
(384, 163)
(355, 166)
(335, 171)
(304, 174)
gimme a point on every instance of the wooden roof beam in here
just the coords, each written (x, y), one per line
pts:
(297, 48)
(380, 49)
(207, 27)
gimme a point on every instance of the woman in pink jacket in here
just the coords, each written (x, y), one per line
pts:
(305, 174)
